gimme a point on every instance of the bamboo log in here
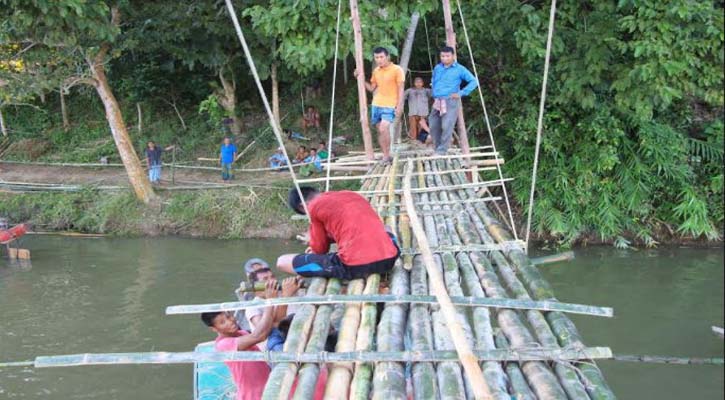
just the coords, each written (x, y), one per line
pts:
(338, 379)
(669, 360)
(87, 359)
(282, 376)
(554, 258)
(361, 91)
(518, 387)
(318, 337)
(471, 367)
(495, 182)
(419, 326)
(423, 157)
(361, 380)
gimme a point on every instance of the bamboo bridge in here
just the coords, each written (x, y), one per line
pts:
(466, 314)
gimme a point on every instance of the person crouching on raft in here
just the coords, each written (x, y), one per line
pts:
(364, 246)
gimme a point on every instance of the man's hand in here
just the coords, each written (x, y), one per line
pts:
(290, 286)
(355, 73)
(399, 111)
(455, 96)
(270, 289)
(308, 250)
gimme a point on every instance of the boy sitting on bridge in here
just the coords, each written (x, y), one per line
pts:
(364, 246)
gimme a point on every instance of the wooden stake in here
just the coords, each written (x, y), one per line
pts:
(361, 91)
(468, 359)
(451, 41)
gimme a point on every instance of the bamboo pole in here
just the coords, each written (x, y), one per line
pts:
(495, 182)
(338, 379)
(282, 376)
(421, 334)
(554, 258)
(361, 91)
(404, 60)
(309, 372)
(424, 157)
(361, 380)
(473, 370)
(451, 41)
(87, 359)
(516, 379)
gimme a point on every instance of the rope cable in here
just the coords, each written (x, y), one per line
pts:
(488, 122)
(540, 123)
(332, 101)
(427, 43)
(263, 95)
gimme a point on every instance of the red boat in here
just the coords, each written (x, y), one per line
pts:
(8, 235)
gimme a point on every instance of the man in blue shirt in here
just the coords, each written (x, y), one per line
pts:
(447, 93)
(227, 155)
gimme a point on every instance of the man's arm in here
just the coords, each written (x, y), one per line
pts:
(319, 243)
(471, 82)
(289, 288)
(401, 90)
(264, 326)
(370, 86)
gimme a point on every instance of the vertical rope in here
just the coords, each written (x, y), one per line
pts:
(540, 123)
(275, 128)
(488, 123)
(332, 101)
(427, 43)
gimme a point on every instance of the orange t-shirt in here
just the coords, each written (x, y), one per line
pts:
(387, 80)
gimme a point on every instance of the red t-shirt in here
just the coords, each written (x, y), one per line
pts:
(250, 377)
(347, 219)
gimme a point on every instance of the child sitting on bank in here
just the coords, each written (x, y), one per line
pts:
(312, 164)
(300, 155)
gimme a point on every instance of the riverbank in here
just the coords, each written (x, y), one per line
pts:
(234, 213)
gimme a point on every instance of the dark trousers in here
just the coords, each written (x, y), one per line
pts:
(441, 126)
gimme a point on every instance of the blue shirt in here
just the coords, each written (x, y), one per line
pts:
(227, 153)
(447, 80)
(277, 160)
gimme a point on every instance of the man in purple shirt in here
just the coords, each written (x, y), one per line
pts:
(447, 93)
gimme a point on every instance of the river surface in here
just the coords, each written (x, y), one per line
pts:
(108, 295)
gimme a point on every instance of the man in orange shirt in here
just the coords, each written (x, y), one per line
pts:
(387, 83)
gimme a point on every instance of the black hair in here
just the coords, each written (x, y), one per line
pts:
(418, 77)
(253, 274)
(208, 318)
(379, 50)
(447, 49)
(331, 342)
(294, 200)
(284, 325)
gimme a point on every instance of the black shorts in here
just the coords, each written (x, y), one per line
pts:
(330, 266)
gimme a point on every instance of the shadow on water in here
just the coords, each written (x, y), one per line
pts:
(109, 295)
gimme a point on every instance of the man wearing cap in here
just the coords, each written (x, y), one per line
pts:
(364, 246)
(277, 160)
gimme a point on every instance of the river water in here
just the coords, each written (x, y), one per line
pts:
(109, 295)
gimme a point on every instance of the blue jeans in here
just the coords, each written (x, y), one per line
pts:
(155, 173)
(227, 171)
(441, 126)
(378, 114)
(275, 340)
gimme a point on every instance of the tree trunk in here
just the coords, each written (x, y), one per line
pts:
(228, 101)
(3, 128)
(136, 175)
(139, 117)
(64, 109)
(344, 70)
(361, 93)
(451, 41)
(275, 95)
(404, 60)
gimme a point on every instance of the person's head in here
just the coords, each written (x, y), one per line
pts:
(311, 109)
(301, 149)
(220, 322)
(294, 201)
(447, 55)
(261, 275)
(227, 140)
(151, 144)
(254, 264)
(381, 56)
(279, 150)
(313, 152)
(321, 146)
(418, 82)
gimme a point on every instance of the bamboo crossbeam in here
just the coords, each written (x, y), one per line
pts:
(440, 203)
(86, 359)
(554, 258)
(669, 360)
(396, 299)
(369, 176)
(463, 349)
(495, 182)
(428, 158)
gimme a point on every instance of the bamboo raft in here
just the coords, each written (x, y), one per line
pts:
(457, 257)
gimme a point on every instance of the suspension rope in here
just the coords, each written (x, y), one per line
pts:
(332, 100)
(540, 123)
(488, 123)
(427, 44)
(263, 95)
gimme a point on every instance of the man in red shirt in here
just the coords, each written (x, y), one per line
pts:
(364, 247)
